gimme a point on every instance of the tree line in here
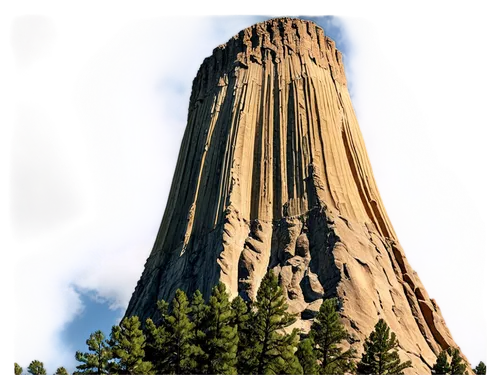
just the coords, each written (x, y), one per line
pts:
(238, 337)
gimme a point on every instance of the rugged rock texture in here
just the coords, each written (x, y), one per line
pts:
(273, 173)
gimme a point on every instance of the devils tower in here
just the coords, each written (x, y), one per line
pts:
(273, 174)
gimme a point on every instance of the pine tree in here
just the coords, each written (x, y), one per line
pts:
(457, 365)
(441, 367)
(480, 369)
(98, 360)
(221, 338)
(197, 315)
(453, 367)
(172, 340)
(381, 354)
(18, 370)
(155, 343)
(327, 333)
(127, 344)
(198, 310)
(156, 336)
(158, 340)
(61, 371)
(307, 357)
(239, 320)
(36, 368)
(289, 361)
(268, 348)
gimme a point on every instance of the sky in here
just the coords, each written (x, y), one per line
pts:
(95, 107)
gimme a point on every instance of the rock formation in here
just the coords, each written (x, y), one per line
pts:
(273, 173)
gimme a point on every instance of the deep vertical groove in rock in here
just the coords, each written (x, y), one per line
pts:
(257, 155)
(277, 149)
(273, 173)
(290, 151)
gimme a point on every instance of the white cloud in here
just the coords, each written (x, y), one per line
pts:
(434, 218)
(107, 83)
(43, 307)
(101, 116)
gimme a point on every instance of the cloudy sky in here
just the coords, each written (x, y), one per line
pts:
(96, 107)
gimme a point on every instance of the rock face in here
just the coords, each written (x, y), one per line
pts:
(273, 173)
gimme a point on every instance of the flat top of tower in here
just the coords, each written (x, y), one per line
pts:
(274, 21)
(284, 21)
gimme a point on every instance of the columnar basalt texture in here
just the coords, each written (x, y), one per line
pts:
(273, 173)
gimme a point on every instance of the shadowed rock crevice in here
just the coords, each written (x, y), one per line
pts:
(273, 173)
(323, 242)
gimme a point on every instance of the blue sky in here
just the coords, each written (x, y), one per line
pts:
(94, 105)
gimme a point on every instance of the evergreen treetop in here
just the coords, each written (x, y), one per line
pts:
(18, 370)
(172, 345)
(198, 309)
(380, 355)
(221, 338)
(61, 371)
(269, 349)
(240, 313)
(457, 365)
(453, 366)
(36, 368)
(127, 344)
(327, 333)
(97, 361)
(480, 369)
(441, 367)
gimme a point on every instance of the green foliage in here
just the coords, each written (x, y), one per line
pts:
(239, 320)
(158, 340)
(224, 337)
(457, 365)
(127, 345)
(454, 366)
(480, 369)
(381, 354)
(198, 310)
(18, 370)
(441, 367)
(307, 357)
(97, 361)
(61, 371)
(172, 341)
(155, 343)
(327, 333)
(270, 351)
(221, 338)
(197, 315)
(290, 362)
(36, 368)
